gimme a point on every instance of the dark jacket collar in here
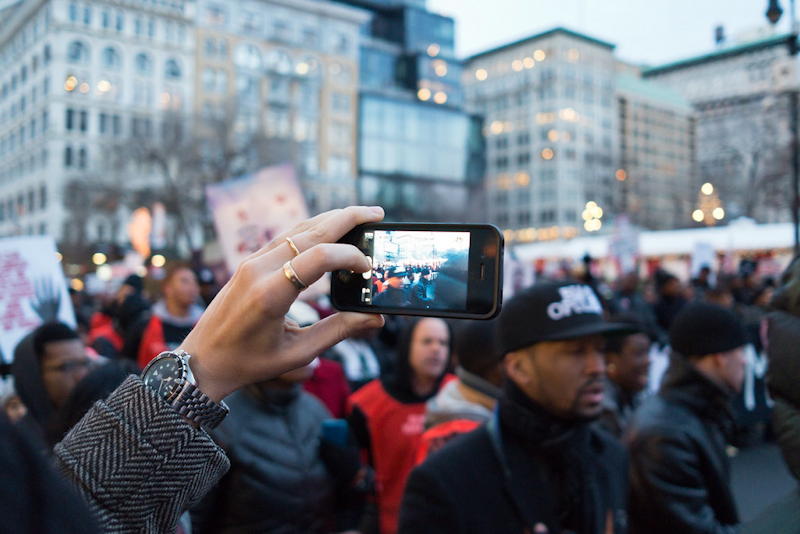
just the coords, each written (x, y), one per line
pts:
(687, 386)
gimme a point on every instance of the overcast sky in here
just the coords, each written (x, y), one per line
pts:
(645, 31)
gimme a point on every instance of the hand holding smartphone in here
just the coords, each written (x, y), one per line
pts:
(434, 270)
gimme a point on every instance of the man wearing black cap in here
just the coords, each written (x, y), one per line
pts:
(679, 472)
(538, 465)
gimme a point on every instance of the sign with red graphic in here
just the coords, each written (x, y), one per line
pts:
(32, 289)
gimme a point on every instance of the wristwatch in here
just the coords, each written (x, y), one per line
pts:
(170, 376)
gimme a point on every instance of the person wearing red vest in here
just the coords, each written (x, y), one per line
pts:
(173, 317)
(387, 415)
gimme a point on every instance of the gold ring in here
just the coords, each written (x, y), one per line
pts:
(291, 275)
(293, 246)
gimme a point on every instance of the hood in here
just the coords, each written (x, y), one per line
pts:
(195, 311)
(449, 404)
(28, 382)
(398, 384)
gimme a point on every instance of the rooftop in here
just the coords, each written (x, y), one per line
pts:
(652, 91)
(723, 53)
(542, 35)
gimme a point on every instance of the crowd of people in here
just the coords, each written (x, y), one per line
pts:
(543, 420)
(404, 285)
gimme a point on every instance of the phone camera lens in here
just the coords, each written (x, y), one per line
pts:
(345, 276)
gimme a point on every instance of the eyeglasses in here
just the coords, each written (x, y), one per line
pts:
(69, 367)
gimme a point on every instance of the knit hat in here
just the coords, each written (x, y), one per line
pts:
(702, 328)
(552, 311)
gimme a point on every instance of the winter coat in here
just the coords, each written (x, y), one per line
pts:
(495, 480)
(163, 331)
(137, 462)
(278, 481)
(679, 470)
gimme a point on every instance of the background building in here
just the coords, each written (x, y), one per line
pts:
(550, 119)
(420, 152)
(78, 78)
(655, 179)
(576, 137)
(287, 70)
(740, 93)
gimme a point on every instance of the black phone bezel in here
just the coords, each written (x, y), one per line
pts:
(484, 296)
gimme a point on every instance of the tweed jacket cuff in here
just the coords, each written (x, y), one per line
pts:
(137, 462)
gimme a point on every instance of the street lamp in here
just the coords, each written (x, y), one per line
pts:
(592, 213)
(774, 12)
(709, 208)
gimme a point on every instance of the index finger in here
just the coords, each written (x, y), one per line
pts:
(327, 227)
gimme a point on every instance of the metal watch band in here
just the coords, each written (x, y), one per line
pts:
(195, 405)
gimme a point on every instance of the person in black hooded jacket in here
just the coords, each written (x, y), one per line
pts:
(679, 469)
(388, 415)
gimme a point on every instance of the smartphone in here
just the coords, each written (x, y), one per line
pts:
(433, 270)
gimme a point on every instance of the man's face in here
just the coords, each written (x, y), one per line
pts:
(63, 365)
(396, 282)
(630, 368)
(733, 368)
(182, 289)
(430, 348)
(564, 377)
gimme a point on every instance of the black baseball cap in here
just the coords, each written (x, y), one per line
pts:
(553, 311)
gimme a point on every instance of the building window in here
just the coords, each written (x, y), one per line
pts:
(82, 157)
(144, 65)
(120, 22)
(340, 102)
(69, 119)
(73, 12)
(84, 120)
(116, 124)
(87, 15)
(105, 19)
(151, 28)
(172, 69)
(111, 58)
(77, 52)
(138, 26)
(103, 123)
(68, 157)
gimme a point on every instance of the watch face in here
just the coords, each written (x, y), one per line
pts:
(164, 375)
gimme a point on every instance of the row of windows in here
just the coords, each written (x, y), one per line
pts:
(17, 138)
(173, 31)
(111, 59)
(24, 165)
(525, 218)
(277, 29)
(35, 199)
(75, 157)
(18, 80)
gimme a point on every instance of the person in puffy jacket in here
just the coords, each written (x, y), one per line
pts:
(279, 481)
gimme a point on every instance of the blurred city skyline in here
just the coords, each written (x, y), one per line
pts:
(644, 32)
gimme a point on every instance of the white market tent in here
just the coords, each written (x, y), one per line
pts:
(740, 236)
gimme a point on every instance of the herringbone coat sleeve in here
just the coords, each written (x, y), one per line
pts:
(137, 462)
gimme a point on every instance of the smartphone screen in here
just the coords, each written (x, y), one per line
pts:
(445, 270)
(419, 269)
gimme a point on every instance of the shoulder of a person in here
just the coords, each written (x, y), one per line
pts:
(311, 405)
(608, 445)
(449, 461)
(368, 392)
(659, 418)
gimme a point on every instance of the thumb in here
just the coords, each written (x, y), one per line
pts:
(331, 330)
